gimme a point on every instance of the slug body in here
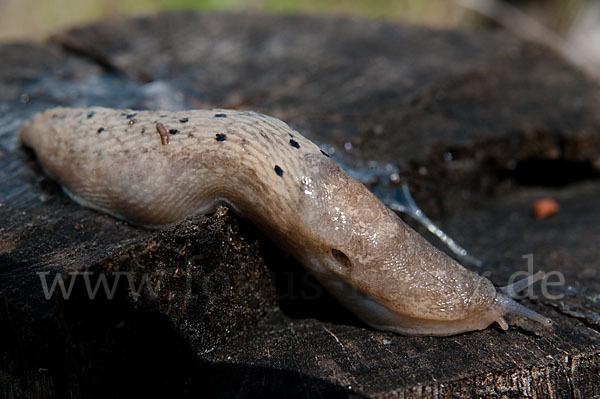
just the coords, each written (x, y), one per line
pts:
(360, 250)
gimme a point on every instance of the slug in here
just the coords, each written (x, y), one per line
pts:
(170, 165)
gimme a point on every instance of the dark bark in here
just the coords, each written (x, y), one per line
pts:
(480, 124)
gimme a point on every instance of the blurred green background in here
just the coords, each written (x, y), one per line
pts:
(35, 19)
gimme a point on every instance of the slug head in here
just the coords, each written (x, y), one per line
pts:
(379, 267)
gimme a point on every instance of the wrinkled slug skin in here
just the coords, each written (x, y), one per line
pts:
(118, 162)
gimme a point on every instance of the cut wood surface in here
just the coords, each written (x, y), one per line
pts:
(480, 124)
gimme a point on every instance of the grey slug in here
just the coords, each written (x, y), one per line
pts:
(156, 168)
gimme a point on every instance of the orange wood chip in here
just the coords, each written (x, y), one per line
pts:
(544, 208)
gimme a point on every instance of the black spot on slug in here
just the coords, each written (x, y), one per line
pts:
(100, 130)
(278, 170)
(324, 153)
(131, 116)
(294, 143)
(173, 131)
(91, 114)
(220, 116)
(221, 137)
(184, 120)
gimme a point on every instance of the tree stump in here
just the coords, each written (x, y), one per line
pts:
(479, 123)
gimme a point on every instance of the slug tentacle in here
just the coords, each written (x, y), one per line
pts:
(508, 306)
(513, 289)
(166, 166)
